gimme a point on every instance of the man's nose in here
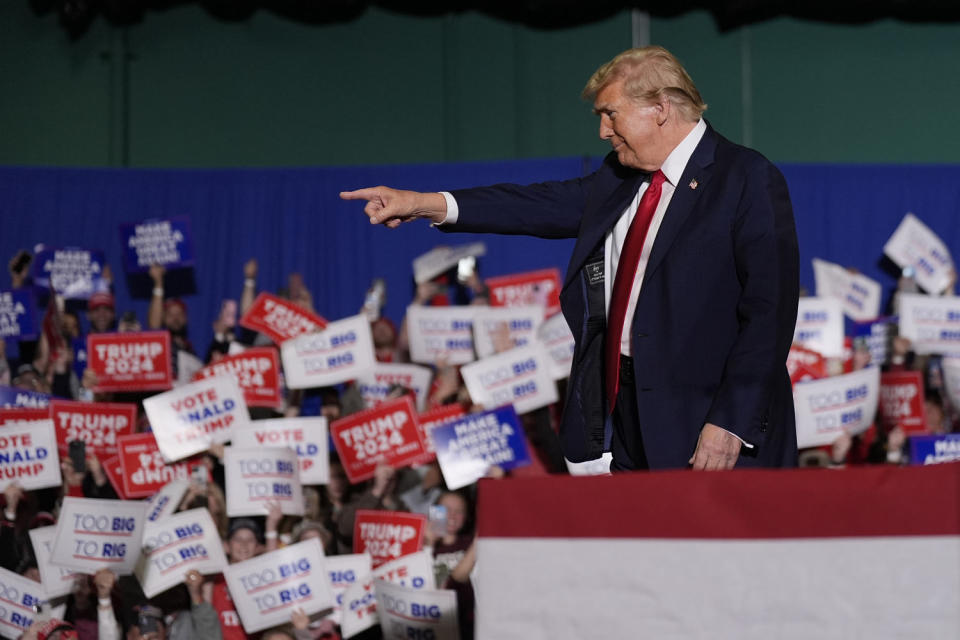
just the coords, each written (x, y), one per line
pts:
(606, 131)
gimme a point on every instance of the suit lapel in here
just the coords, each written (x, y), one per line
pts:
(692, 184)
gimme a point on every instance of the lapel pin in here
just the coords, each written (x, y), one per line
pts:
(694, 183)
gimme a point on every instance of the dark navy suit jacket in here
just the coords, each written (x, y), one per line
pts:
(716, 312)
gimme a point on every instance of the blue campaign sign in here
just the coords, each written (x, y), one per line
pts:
(164, 242)
(468, 446)
(935, 449)
(11, 397)
(18, 315)
(878, 334)
(73, 273)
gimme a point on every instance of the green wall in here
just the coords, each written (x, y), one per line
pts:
(390, 88)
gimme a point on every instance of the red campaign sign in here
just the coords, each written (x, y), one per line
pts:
(387, 535)
(97, 424)
(805, 364)
(386, 433)
(430, 419)
(114, 470)
(901, 401)
(527, 289)
(143, 470)
(256, 370)
(19, 414)
(280, 319)
(130, 361)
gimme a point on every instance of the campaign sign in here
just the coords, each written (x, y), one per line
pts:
(440, 333)
(878, 335)
(518, 377)
(96, 534)
(557, 340)
(387, 433)
(359, 608)
(259, 476)
(521, 324)
(913, 244)
(416, 613)
(387, 535)
(19, 416)
(439, 260)
(805, 364)
(190, 418)
(901, 401)
(56, 581)
(429, 420)
(832, 406)
(376, 384)
(858, 295)
(165, 502)
(18, 315)
(12, 397)
(306, 436)
(164, 242)
(19, 597)
(280, 319)
(343, 351)
(114, 470)
(468, 447)
(820, 326)
(256, 370)
(532, 289)
(28, 455)
(72, 273)
(934, 449)
(143, 470)
(188, 365)
(267, 588)
(343, 572)
(175, 545)
(932, 324)
(97, 424)
(136, 361)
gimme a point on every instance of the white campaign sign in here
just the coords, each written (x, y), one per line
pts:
(267, 588)
(306, 436)
(187, 366)
(194, 416)
(820, 326)
(951, 379)
(519, 377)
(557, 340)
(858, 295)
(410, 613)
(256, 477)
(19, 597)
(175, 545)
(97, 534)
(359, 603)
(343, 351)
(441, 259)
(913, 244)
(441, 333)
(56, 581)
(375, 385)
(28, 455)
(932, 324)
(344, 572)
(165, 502)
(521, 323)
(829, 407)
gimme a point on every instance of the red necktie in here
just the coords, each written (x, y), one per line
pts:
(623, 282)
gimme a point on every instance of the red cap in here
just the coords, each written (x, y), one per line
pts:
(101, 299)
(52, 626)
(175, 302)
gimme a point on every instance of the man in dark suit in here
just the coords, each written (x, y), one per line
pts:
(682, 289)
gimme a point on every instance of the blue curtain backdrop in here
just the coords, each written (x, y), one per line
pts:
(292, 220)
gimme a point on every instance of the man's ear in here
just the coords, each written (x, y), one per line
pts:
(664, 110)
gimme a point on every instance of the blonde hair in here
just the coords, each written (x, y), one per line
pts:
(649, 74)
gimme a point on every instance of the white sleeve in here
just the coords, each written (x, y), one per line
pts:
(453, 211)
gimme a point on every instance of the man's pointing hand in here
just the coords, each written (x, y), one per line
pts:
(390, 207)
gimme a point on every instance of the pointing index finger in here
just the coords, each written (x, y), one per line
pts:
(369, 193)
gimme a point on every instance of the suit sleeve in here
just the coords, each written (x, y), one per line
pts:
(766, 256)
(544, 210)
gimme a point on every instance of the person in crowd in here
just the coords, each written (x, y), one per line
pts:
(182, 621)
(93, 606)
(244, 541)
(169, 314)
(102, 312)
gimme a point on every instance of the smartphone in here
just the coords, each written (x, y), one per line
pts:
(228, 313)
(199, 475)
(465, 268)
(21, 261)
(438, 519)
(78, 455)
